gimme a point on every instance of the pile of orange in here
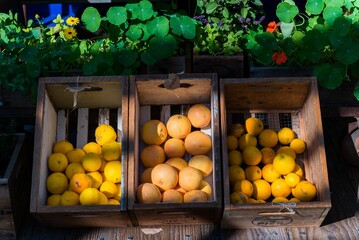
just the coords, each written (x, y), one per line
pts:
(167, 175)
(90, 175)
(263, 167)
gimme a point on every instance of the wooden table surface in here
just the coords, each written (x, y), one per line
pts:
(342, 221)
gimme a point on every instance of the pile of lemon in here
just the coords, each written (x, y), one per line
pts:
(262, 164)
(90, 175)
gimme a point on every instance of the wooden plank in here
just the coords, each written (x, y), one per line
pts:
(104, 116)
(82, 127)
(61, 130)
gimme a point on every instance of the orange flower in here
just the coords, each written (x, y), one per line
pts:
(272, 26)
(279, 57)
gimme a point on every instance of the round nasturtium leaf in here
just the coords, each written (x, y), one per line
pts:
(314, 6)
(328, 76)
(117, 15)
(91, 18)
(134, 32)
(346, 53)
(159, 26)
(342, 25)
(330, 13)
(184, 26)
(286, 12)
(143, 10)
(127, 57)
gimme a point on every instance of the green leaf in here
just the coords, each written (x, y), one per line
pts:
(225, 13)
(334, 3)
(356, 90)
(328, 76)
(162, 47)
(267, 40)
(143, 10)
(134, 32)
(314, 40)
(347, 53)
(314, 7)
(91, 18)
(148, 58)
(331, 13)
(286, 12)
(211, 7)
(287, 29)
(341, 26)
(183, 25)
(117, 15)
(127, 57)
(28, 53)
(89, 68)
(159, 26)
(33, 69)
(335, 39)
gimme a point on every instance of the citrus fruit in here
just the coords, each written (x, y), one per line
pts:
(194, 196)
(103, 164)
(253, 173)
(96, 178)
(146, 176)
(202, 163)
(244, 186)
(91, 162)
(236, 130)
(199, 115)
(113, 201)
(73, 168)
(305, 191)
(251, 155)
(148, 193)
(69, 198)
(268, 138)
(154, 132)
(118, 195)
(292, 179)
(189, 178)
(92, 147)
(174, 147)
(57, 183)
(268, 155)
(261, 190)
(197, 143)
(172, 196)
(103, 200)
(108, 188)
(254, 125)
(280, 188)
(294, 200)
(111, 150)
(287, 150)
(283, 164)
(285, 135)
(178, 126)
(90, 196)
(298, 170)
(298, 145)
(53, 200)
(247, 140)
(235, 173)
(152, 155)
(164, 176)
(62, 146)
(113, 171)
(75, 155)
(280, 199)
(205, 187)
(57, 162)
(232, 143)
(179, 189)
(79, 182)
(235, 158)
(269, 174)
(177, 163)
(238, 198)
(105, 133)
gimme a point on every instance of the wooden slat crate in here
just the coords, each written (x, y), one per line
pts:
(279, 102)
(71, 108)
(149, 99)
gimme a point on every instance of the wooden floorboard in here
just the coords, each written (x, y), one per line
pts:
(342, 221)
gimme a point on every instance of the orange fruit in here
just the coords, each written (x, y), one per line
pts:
(92, 147)
(253, 173)
(179, 189)
(294, 200)
(236, 130)
(174, 147)
(305, 191)
(232, 143)
(268, 155)
(254, 125)
(177, 163)
(235, 158)
(172, 196)
(62, 146)
(199, 115)
(57, 162)
(105, 133)
(235, 173)
(79, 182)
(202, 163)
(148, 193)
(268, 138)
(292, 179)
(152, 155)
(197, 143)
(247, 140)
(285, 135)
(91, 162)
(269, 174)
(261, 190)
(146, 175)
(206, 188)
(280, 188)
(251, 155)
(154, 132)
(238, 198)
(298, 145)
(164, 176)
(57, 183)
(111, 150)
(194, 196)
(287, 150)
(283, 164)
(75, 155)
(244, 186)
(190, 178)
(178, 126)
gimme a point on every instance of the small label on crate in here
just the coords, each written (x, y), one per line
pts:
(272, 221)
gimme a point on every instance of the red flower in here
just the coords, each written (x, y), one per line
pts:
(272, 26)
(279, 57)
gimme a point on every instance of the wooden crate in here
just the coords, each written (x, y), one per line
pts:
(71, 108)
(15, 189)
(279, 102)
(149, 99)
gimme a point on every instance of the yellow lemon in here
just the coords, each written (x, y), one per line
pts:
(74, 168)
(92, 147)
(243, 186)
(305, 191)
(90, 196)
(247, 140)
(53, 200)
(251, 155)
(280, 188)
(109, 189)
(268, 138)
(57, 183)
(283, 163)
(103, 200)
(294, 200)
(269, 174)
(113, 201)
(105, 133)
(236, 130)
(62, 146)
(261, 190)
(119, 192)
(232, 143)
(96, 178)
(253, 173)
(236, 173)
(235, 158)
(298, 170)
(285, 135)
(254, 125)
(287, 150)
(238, 198)
(298, 145)
(111, 150)
(69, 198)
(292, 179)
(103, 164)
(57, 162)
(268, 155)
(280, 199)
(91, 162)
(113, 171)
(75, 155)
